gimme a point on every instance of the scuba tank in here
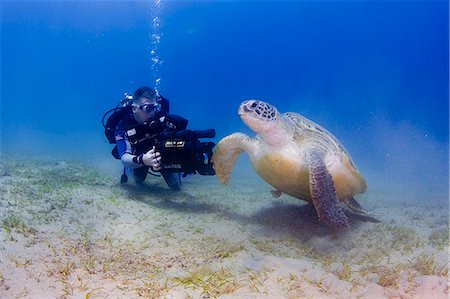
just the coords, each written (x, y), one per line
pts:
(115, 115)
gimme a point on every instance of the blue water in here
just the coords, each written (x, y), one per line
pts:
(375, 73)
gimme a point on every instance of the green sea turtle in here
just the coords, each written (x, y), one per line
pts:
(295, 156)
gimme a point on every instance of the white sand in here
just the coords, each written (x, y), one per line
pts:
(68, 231)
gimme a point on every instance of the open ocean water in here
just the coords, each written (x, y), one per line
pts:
(374, 73)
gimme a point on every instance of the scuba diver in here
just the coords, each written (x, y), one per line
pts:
(148, 138)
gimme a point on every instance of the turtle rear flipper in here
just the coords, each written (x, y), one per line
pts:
(323, 194)
(356, 207)
(276, 193)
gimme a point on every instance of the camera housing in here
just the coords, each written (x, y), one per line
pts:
(182, 151)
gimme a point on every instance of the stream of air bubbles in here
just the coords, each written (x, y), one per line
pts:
(155, 38)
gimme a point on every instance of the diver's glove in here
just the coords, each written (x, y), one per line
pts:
(152, 158)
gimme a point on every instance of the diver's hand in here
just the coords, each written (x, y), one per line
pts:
(152, 158)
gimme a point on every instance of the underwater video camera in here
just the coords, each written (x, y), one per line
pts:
(181, 151)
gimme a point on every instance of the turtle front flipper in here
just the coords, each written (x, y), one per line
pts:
(323, 193)
(227, 152)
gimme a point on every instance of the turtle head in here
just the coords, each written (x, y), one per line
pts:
(258, 115)
(265, 120)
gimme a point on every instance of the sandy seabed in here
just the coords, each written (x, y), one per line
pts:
(70, 231)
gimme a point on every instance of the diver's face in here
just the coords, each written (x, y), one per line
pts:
(139, 112)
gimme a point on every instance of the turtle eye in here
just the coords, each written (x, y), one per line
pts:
(254, 104)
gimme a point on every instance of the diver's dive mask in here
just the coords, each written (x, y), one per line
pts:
(155, 107)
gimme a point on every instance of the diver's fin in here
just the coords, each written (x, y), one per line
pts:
(124, 177)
